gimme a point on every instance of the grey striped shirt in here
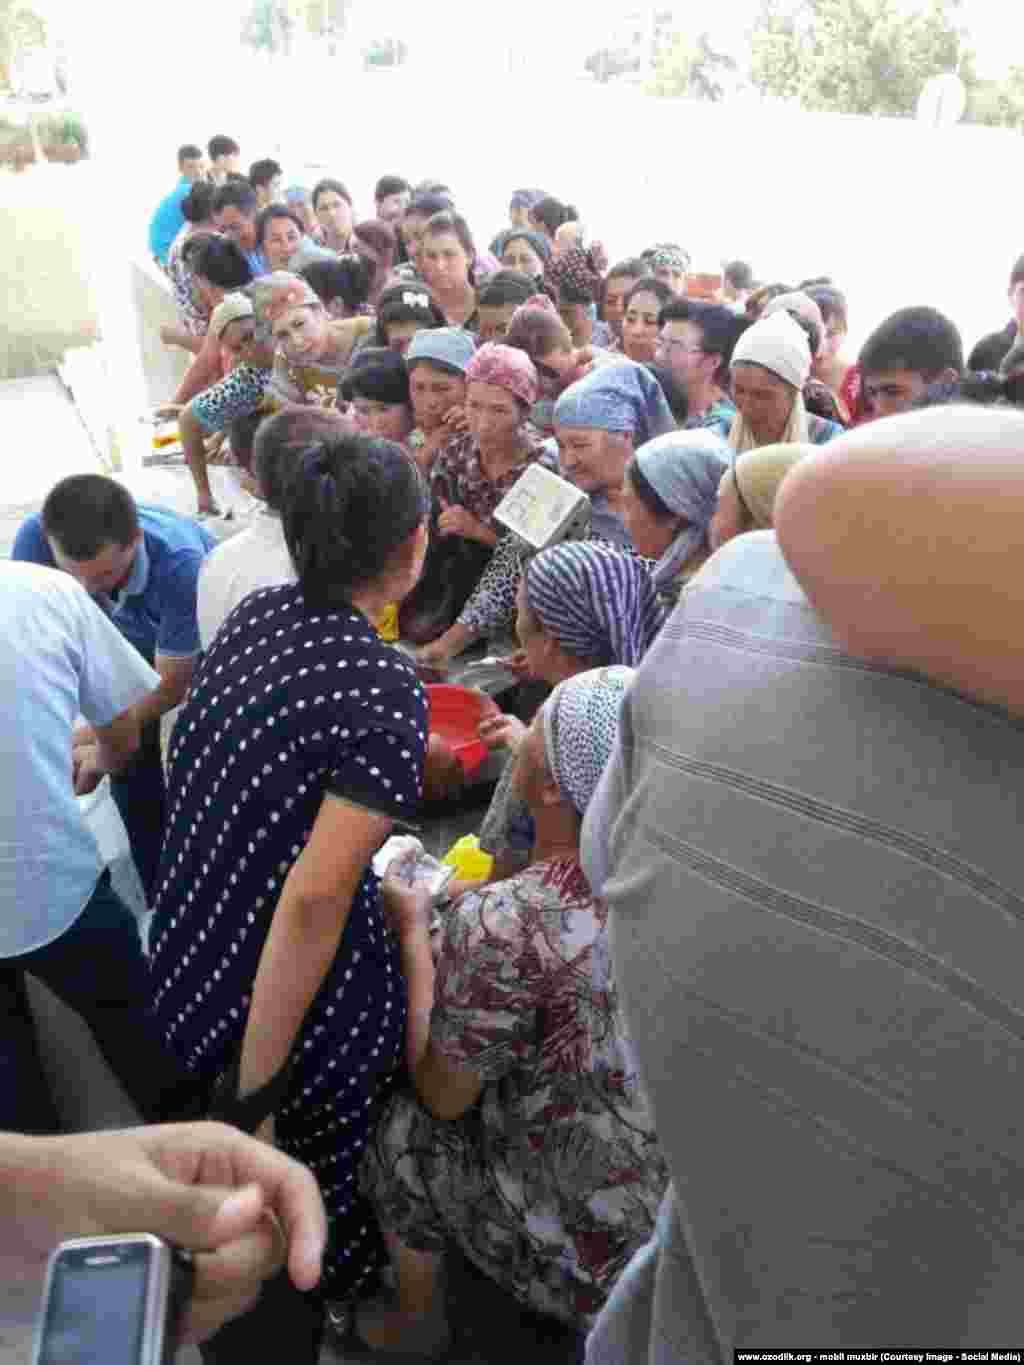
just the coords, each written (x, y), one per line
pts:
(817, 888)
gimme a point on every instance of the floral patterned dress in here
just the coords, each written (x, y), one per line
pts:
(552, 1181)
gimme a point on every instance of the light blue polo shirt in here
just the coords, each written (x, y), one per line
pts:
(167, 221)
(60, 657)
(156, 608)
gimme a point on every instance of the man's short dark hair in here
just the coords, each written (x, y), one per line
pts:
(739, 275)
(87, 512)
(921, 340)
(222, 146)
(236, 194)
(388, 185)
(720, 328)
(189, 152)
(263, 172)
(222, 262)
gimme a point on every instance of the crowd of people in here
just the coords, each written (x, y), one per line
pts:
(722, 1052)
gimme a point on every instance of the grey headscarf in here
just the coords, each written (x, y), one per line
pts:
(685, 469)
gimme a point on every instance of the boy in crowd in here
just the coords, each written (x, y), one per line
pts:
(910, 350)
(168, 219)
(225, 158)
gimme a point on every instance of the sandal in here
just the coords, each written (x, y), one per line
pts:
(349, 1342)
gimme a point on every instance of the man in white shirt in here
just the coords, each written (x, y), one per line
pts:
(258, 556)
(61, 657)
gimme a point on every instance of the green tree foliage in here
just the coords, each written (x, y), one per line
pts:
(853, 56)
(684, 66)
(998, 104)
(20, 28)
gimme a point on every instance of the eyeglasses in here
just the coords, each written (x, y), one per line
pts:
(671, 344)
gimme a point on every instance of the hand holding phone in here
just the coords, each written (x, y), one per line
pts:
(113, 1301)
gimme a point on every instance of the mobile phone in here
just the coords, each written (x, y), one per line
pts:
(112, 1301)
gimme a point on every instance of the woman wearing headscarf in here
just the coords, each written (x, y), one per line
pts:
(670, 496)
(526, 251)
(580, 605)
(598, 422)
(770, 365)
(526, 1140)
(577, 277)
(746, 495)
(469, 476)
(538, 329)
(668, 262)
(298, 355)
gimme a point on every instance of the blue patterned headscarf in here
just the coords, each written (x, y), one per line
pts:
(581, 724)
(685, 469)
(537, 240)
(622, 396)
(598, 602)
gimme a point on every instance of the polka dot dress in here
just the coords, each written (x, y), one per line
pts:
(289, 705)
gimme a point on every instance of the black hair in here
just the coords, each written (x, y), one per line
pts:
(236, 194)
(647, 493)
(222, 262)
(194, 243)
(426, 205)
(575, 291)
(322, 186)
(720, 328)
(1012, 360)
(505, 287)
(974, 386)
(810, 329)
(434, 187)
(274, 211)
(262, 172)
(189, 152)
(922, 340)
(632, 266)
(86, 512)
(815, 282)
(739, 274)
(331, 501)
(830, 300)
(552, 213)
(197, 206)
(388, 185)
(450, 221)
(346, 278)
(1017, 273)
(650, 285)
(409, 301)
(674, 390)
(222, 146)
(762, 297)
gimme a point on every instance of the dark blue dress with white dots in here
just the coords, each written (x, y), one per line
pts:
(289, 706)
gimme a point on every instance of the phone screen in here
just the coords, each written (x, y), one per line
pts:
(95, 1313)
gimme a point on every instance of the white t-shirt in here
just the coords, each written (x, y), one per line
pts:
(256, 558)
(60, 657)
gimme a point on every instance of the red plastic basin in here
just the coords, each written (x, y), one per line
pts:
(455, 716)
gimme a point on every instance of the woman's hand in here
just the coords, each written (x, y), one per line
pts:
(440, 652)
(455, 420)
(502, 732)
(459, 521)
(407, 907)
(167, 412)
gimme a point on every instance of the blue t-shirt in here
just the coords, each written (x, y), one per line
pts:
(167, 221)
(156, 608)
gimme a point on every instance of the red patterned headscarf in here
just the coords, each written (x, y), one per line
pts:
(507, 368)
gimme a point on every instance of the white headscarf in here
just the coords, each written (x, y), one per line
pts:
(778, 345)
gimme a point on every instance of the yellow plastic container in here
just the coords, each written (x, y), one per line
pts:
(387, 622)
(470, 861)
